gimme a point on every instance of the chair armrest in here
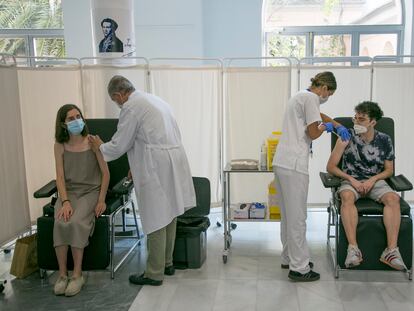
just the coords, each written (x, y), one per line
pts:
(399, 183)
(46, 191)
(124, 186)
(330, 181)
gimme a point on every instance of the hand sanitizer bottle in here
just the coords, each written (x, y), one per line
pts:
(263, 157)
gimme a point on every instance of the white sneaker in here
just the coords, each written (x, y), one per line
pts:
(392, 257)
(60, 285)
(74, 286)
(353, 257)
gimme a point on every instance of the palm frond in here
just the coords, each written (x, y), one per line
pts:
(37, 14)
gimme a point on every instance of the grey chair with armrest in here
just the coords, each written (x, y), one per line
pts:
(101, 249)
(371, 234)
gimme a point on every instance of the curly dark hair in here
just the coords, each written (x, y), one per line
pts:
(324, 78)
(61, 132)
(371, 109)
(114, 25)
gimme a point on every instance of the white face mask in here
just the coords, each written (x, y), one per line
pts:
(360, 129)
(323, 100)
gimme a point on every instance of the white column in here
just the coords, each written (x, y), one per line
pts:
(113, 28)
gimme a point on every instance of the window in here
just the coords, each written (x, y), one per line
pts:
(333, 28)
(15, 46)
(379, 44)
(332, 45)
(284, 45)
(32, 28)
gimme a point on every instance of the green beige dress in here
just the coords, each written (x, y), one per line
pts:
(83, 182)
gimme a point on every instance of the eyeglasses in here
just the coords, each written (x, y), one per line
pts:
(359, 119)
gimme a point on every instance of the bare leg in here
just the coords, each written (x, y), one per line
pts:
(62, 255)
(77, 254)
(349, 216)
(392, 217)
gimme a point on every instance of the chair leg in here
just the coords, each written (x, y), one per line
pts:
(410, 274)
(336, 274)
(42, 273)
(336, 220)
(123, 220)
(329, 224)
(112, 224)
(114, 267)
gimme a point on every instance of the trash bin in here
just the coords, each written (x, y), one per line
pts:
(191, 238)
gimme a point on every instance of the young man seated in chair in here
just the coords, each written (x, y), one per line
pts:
(367, 160)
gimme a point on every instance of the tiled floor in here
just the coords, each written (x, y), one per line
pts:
(251, 280)
(99, 292)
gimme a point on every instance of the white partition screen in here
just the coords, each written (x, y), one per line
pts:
(95, 79)
(42, 92)
(255, 100)
(195, 96)
(354, 86)
(14, 205)
(393, 89)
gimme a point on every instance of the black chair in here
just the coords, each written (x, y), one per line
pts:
(101, 249)
(191, 239)
(371, 234)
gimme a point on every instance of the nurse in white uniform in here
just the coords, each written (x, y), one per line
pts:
(148, 133)
(302, 123)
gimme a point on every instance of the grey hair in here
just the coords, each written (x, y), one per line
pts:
(119, 84)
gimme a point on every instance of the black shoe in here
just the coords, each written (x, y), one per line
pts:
(141, 280)
(307, 277)
(287, 266)
(170, 270)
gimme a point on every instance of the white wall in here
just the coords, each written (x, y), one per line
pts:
(410, 11)
(189, 28)
(78, 28)
(409, 27)
(170, 28)
(232, 28)
(177, 28)
(162, 28)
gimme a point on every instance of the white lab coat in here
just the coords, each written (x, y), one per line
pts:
(292, 177)
(148, 133)
(293, 150)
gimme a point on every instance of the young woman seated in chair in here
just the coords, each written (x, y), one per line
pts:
(82, 179)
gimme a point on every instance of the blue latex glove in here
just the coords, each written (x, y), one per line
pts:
(329, 127)
(343, 133)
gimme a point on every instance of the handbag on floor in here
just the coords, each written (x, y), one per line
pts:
(24, 260)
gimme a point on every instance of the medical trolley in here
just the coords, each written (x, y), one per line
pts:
(227, 216)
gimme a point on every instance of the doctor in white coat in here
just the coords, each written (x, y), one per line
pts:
(148, 133)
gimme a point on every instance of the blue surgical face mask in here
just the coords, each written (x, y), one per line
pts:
(323, 100)
(75, 127)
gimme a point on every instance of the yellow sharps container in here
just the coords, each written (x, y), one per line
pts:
(271, 143)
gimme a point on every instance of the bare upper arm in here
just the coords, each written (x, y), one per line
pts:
(337, 152)
(58, 151)
(313, 130)
(389, 165)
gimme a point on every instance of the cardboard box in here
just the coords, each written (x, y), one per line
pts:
(257, 211)
(240, 210)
